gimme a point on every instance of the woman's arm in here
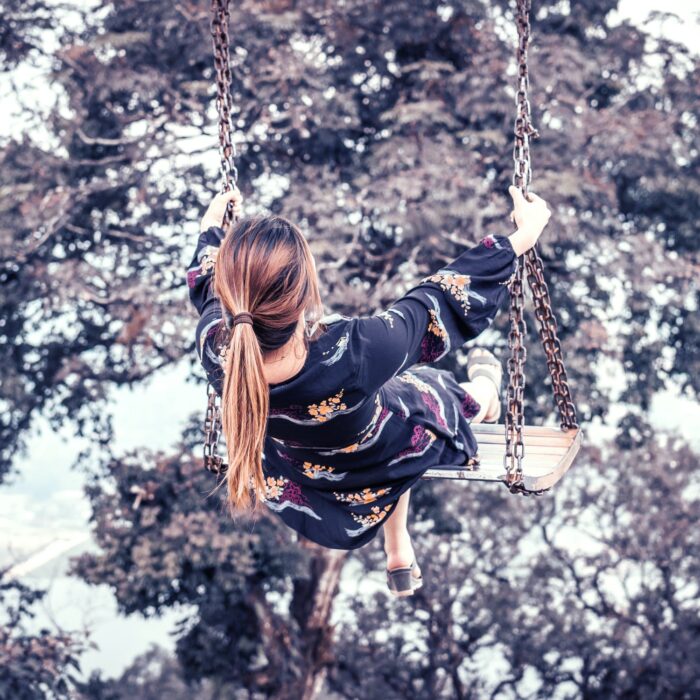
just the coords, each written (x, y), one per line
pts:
(448, 308)
(199, 281)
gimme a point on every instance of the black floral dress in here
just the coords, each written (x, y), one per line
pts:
(363, 419)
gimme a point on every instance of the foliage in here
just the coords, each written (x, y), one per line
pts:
(34, 664)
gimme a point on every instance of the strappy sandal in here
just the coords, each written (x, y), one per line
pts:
(480, 366)
(405, 580)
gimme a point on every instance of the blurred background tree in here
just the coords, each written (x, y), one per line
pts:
(383, 128)
(34, 663)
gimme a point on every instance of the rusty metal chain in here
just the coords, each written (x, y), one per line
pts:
(522, 174)
(547, 323)
(213, 461)
(515, 448)
(222, 67)
(524, 130)
(523, 127)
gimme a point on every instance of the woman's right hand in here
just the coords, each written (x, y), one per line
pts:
(530, 217)
(214, 216)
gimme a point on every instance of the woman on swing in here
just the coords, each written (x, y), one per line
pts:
(330, 420)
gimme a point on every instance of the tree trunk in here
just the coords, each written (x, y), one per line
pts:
(311, 607)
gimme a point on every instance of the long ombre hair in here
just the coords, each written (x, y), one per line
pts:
(265, 267)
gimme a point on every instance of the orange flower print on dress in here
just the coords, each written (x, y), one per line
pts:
(456, 283)
(282, 493)
(435, 342)
(369, 520)
(363, 497)
(324, 410)
(380, 419)
(435, 326)
(316, 412)
(274, 487)
(319, 471)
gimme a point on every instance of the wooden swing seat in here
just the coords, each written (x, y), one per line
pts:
(549, 452)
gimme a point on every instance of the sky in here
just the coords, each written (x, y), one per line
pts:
(43, 513)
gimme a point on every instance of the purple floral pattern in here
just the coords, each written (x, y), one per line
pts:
(428, 394)
(282, 493)
(421, 440)
(469, 406)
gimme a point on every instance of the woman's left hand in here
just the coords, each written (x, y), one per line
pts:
(214, 215)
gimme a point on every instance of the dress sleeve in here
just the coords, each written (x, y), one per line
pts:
(199, 284)
(442, 312)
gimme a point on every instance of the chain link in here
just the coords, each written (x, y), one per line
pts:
(213, 461)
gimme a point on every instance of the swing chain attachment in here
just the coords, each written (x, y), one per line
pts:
(522, 176)
(523, 127)
(220, 17)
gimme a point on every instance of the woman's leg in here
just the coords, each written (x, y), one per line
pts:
(484, 392)
(397, 541)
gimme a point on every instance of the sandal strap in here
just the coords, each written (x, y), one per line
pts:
(488, 374)
(489, 359)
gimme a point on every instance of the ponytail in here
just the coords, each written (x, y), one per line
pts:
(244, 409)
(265, 267)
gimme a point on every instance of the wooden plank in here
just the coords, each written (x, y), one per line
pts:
(497, 428)
(539, 483)
(492, 448)
(560, 440)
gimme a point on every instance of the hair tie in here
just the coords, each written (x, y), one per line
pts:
(242, 317)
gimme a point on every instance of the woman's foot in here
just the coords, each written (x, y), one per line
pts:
(399, 554)
(403, 575)
(483, 367)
